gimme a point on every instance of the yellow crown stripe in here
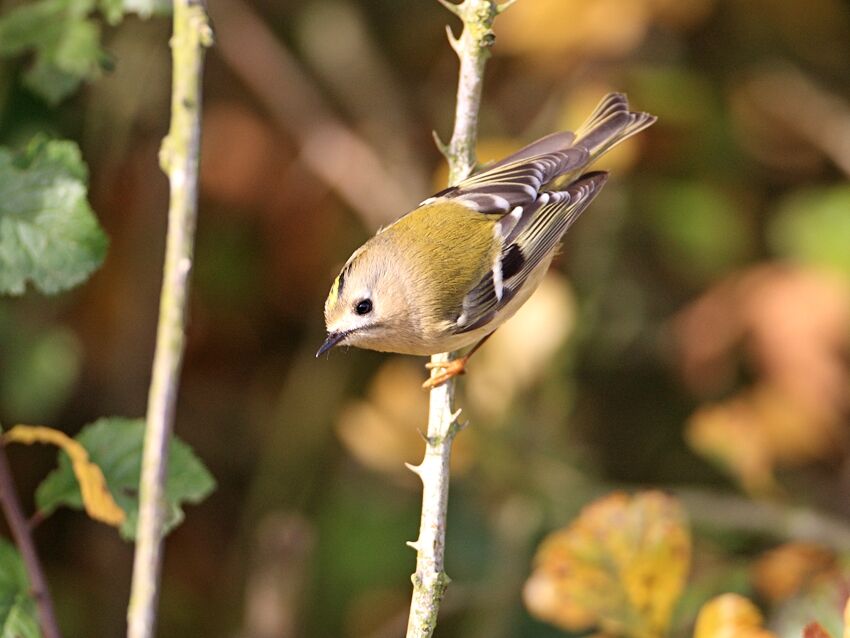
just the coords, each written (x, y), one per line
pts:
(334, 293)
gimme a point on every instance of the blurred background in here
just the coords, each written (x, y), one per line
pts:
(694, 335)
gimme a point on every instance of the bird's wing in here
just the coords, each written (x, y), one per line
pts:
(610, 123)
(528, 235)
(516, 181)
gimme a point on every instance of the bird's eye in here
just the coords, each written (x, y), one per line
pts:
(363, 307)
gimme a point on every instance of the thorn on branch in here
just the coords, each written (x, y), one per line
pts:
(455, 425)
(440, 144)
(416, 469)
(454, 41)
(413, 544)
(504, 6)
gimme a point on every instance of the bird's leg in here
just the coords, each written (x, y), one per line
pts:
(452, 368)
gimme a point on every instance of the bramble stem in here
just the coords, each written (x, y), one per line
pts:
(179, 160)
(430, 579)
(21, 532)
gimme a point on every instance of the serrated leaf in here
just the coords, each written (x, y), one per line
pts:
(620, 566)
(48, 233)
(17, 606)
(115, 445)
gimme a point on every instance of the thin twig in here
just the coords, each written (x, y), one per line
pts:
(179, 159)
(328, 148)
(788, 522)
(813, 113)
(430, 579)
(21, 532)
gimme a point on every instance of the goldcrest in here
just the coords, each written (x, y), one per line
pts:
(447, 274)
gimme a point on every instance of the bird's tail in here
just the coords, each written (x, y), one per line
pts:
(609, 124)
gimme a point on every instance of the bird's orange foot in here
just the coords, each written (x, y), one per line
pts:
(450, 369)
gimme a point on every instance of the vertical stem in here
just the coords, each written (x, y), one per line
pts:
(179, 160)
(430, 579)
(23, 539)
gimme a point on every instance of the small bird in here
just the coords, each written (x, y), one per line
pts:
(447, 274)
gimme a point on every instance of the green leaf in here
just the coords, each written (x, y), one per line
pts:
(17, 606)
(700, 228)
(115, 444)
(112, 10)
(48, 232)
(62, 65)
(65, 45)
(65, 40)
(813, 227)
(143, 8)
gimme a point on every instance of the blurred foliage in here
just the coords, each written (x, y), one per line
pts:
(39, 371)
(730, 616)
(17, 608)
(64, 40)
(694, 334)
(812, 227)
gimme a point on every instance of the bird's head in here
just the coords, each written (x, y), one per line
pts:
(366, 306)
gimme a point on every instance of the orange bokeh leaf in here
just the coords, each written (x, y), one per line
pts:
(786, 570)
(97, 499)
(791, 325)
(620, 566)
(815, 630)
(730, 616)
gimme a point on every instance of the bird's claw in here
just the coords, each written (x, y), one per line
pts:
(450, 369)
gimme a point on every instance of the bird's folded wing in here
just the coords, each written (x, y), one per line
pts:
(503, 187)
(528, 235)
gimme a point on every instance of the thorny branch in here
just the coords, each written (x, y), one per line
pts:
(430, 579)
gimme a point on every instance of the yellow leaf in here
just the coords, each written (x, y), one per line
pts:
(97, 499)
(730, 616)
(603, 28)
(620, 566)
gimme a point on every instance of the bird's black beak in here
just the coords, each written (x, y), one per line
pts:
(333, 339)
